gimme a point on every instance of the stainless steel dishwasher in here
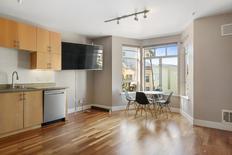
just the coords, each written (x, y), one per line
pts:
(54, 105)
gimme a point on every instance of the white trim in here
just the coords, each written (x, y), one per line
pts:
(72, 110)
(102, 106)
(118, 108)
(187, 116)
(210, 124)
(176, 110)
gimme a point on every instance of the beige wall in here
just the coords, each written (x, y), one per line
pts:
(103, 79)
(212, 68)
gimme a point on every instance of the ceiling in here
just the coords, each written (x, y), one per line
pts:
(86, 17)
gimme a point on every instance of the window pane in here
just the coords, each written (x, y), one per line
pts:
(160, 52)
(130, 57)
(170, 74)
(172, 50)
(151, 73)
(130, 54)
(149, 52)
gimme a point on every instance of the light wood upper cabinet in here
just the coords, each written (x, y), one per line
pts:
(40, 60)
(56, 61)
(3, 32)
(11, 112)
(33, 108)
(48, 41)
(43, 40)
(26, 37)
(30, 38)
(12, 34)
(55, 42)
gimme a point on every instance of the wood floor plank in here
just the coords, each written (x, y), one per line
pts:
(99, 133)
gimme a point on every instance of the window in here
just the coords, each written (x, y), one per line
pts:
(130, 68)
(147, 78)
(161, 64)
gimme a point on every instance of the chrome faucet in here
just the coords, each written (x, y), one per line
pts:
(17, 78)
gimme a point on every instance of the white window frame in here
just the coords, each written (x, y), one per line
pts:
(160, 62)
(138, 60)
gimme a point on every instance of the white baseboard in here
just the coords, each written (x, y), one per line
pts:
(176, 110)
(118, 108)
(72, 110)
(210, 124)
(187, 116)
(102, 106)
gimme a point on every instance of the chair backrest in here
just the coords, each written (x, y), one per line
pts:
(141, 98)
(169, 98)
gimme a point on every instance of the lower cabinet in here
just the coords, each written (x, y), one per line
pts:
(33, 108)
(11, 112)
(20, 110)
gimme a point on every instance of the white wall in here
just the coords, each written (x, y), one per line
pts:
(14, 60)
(80, 82)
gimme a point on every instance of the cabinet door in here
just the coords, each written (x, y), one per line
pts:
(12, 34)
(40, 60)
(11, 112)
(55, 42)
(33, 105)
(3, 32)
(43, 40)
(27, 37)
(56, 61)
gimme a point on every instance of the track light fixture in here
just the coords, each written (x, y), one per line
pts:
(129, 15)
(145, 15)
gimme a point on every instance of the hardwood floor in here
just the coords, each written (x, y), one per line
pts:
(100, 133)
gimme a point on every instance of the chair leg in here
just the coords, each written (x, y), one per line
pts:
(137, 109)
(149, 108)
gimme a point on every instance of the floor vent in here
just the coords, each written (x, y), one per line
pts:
(227, 116)
(226, 29)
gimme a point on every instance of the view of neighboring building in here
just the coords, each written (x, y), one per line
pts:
(160, 68)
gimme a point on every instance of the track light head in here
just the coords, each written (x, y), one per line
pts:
(144, 16)
(136, 18)
(118, 21)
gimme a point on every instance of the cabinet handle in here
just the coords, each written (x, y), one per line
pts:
(21, 97)
(24, 98)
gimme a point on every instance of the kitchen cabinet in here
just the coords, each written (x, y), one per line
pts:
(17, 35)
(55, 42)
(41, 60)
(44, 45)
(20, 110)
(3, 32)
(33, 108)
(43, 40)
(11, 112)
(48, 41)
(26, 37)
(56, 61)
